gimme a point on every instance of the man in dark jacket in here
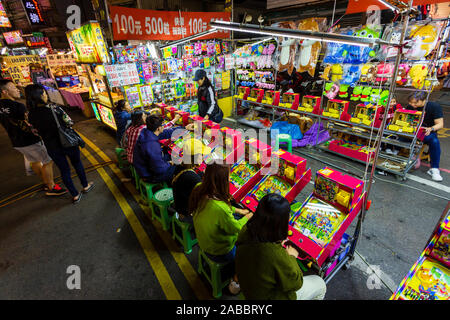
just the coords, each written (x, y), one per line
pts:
(207, 103)
(148, 157)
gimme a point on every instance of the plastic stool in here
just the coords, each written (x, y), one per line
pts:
(120, 158)
(182, 231)
(160, 205)
(283, 138)
(214, 276)
(147, 191)
(135, 176)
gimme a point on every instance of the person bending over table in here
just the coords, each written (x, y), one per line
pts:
(432, 122)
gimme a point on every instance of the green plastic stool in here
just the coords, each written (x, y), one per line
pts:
(121, 158)
(283, 138)
(182, 232)
(135, 176)
(160, 207)
(212, 271)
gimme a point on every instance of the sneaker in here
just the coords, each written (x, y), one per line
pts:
(234, 287)
(435, 174)
(56, 191)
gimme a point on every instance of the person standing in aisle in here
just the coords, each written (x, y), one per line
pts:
(215, 226)
(432, 122)
(42, 118)
(13, 116)
(122, 117)
(207, 102)
(265, 269)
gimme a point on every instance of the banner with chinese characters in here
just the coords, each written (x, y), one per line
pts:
(88, 43)
(62, 64)
(138, 24)
(120, 75)
(34, 12)
(18, 67)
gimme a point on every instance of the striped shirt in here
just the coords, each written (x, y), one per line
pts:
(133, 135)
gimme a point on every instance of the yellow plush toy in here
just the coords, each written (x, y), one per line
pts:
(336, 72)
(417, 74)
(428, 34)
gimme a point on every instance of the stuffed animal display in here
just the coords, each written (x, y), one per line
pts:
(351, 74)
(288, 49)
(384, 72)
(309, 49)
(417, 75)
(423, 39)
(402, 76)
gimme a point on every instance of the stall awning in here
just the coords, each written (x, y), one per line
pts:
(356, 6)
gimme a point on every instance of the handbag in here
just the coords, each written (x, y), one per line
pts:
(67, 136)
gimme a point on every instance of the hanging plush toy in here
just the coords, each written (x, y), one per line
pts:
(391, 35)
(423, 40)
(402, 76)
(365, 94)
(288, 49)
(352, 74)
(375, 95)
(356, 94)
(198, 48)
(343, 91)
(384, 98)
(309, 49)
(368, 72)
(364, 53)
(334, 90)
(384, 72)
(417, 75)
(336, 52)
(336, 72)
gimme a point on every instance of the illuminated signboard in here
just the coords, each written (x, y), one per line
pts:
(4, 21)
(88, 43)
(94, 108)
(107, 116)
(13, 37)
(34, 11)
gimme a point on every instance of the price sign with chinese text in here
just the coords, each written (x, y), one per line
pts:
(138, 24)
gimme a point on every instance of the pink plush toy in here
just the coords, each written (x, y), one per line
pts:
(333, 91)
(402, 76)
(384, 72)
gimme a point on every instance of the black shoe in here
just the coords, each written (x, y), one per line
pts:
(56, 191)
(79, 198)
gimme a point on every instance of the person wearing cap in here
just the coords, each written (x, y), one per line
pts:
(187, 177)
(207, 102)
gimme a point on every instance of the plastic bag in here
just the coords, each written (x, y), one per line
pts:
(284, 127)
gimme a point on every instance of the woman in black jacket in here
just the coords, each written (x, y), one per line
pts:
(41, 117)
(207, 102)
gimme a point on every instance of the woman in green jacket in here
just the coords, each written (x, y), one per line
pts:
(265, 269)
(215, 225)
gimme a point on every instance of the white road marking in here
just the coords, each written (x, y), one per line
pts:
(428, 182)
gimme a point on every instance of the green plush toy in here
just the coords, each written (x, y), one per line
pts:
(365, 94)
(327, 88)
(343, 90)
(356, 95)
(384, 98)
(375, 95)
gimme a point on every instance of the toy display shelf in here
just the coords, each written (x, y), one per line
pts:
(359, 125)
(347, 130)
